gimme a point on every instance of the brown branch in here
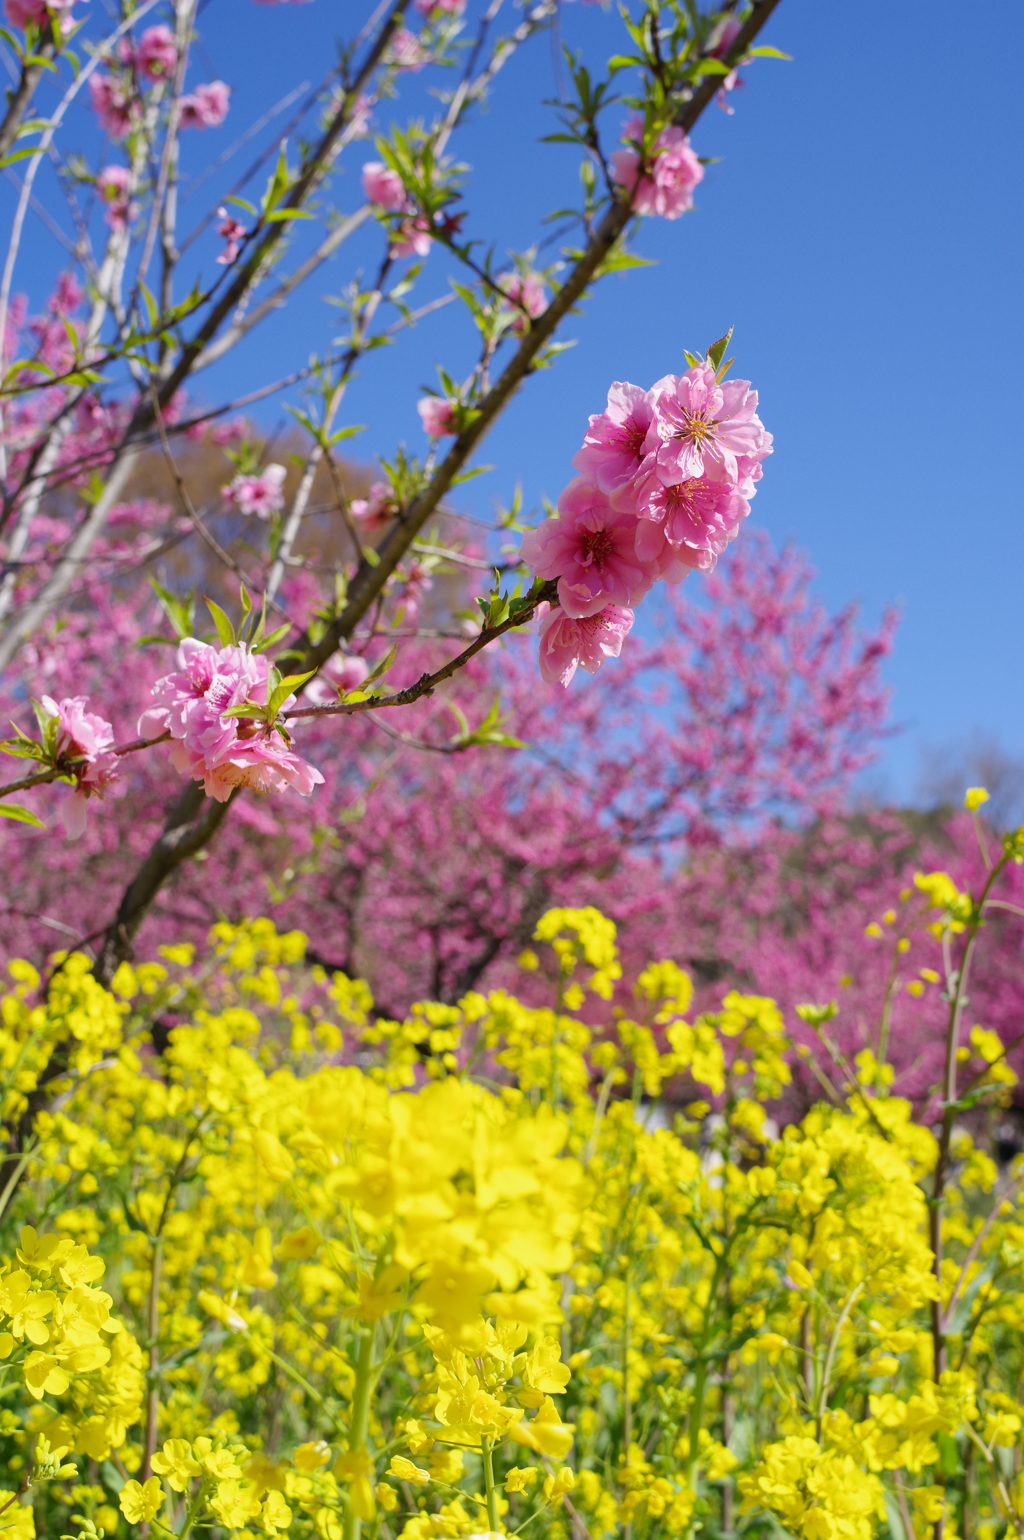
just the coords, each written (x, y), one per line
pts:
(30, 77)
(45, 776)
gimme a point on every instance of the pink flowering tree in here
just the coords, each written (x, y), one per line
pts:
(302, 654)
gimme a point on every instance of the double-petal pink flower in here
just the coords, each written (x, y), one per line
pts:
(703, 426)
(211, 746)
(591, 549)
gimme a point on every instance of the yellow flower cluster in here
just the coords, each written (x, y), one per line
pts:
(496, 1264)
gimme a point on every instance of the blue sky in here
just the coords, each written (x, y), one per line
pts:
(862, 229)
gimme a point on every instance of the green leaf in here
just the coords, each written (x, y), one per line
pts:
(278, 216)
(766, 52)
(242, 204)
(225, 630)
(273, 638)
(477, 470)
(381, 669)
(20, 815)
(691, 358)
(716, 352)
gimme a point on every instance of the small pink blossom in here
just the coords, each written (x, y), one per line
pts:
(412, 238)
(234, 431)
(67, 296)
(701, 426)
(667, 187)
(114, 104)
(613, 445)
(445, 7)
(377, 509)
(406, 51)
(157, 53)
(567, 644)
(341, 673)
(224, 751)
(261, 495)
(84, 746)
(383, 186)
(207, 106)
(112, 185)
(439, 417)
(525, 292)
(232, 233)
(591, 549)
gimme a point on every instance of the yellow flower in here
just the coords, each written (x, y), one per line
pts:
(556, 1486)
(309, 1457)
(974, 797)
(140, 1503)
(520, 1477)
(176, 1463)
(299, 1246)
(405, 1470)
(275, 1513)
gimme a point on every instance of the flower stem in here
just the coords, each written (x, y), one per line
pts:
(490, 1490)
(360, 1416)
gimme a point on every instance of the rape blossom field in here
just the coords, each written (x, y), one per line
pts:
(469, 1065)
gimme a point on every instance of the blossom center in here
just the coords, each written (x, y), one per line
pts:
(597, 545)
(697, 428)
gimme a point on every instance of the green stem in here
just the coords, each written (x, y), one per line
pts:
(360, 1415)
(490, 1490)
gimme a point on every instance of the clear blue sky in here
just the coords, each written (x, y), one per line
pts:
(862, 231)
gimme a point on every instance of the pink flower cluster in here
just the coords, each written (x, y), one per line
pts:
(261, 495)
(377, 509)
(667, 475)
(206, 106)
(224, 751)
(525, 292)
(28, 13)
(666, 188)
(85, 749)
(157, 53)
(114, 103)
(384, 188)
(439, 416)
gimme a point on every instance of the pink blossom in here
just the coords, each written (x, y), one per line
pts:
(613, 445)
(224, 751)
(439, 417)
(383, 186)
(232, 232)
(342, 672)
(85, 749)
(261, 495)
(157, 53)
(700, 424)
(112, 185)
(67, 296)
(695, 519)
(446, 7)
(567, 644)
(113, 103)
(667, 187)
(207, 106)
(412, 238)
(234, 431)
(375, 510)
(525, 292)
(25, 13)
(591, 549)
(406, 51)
